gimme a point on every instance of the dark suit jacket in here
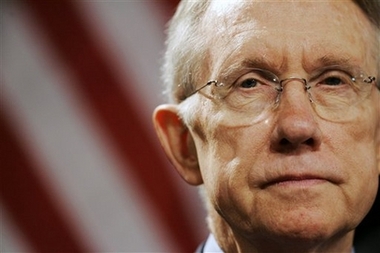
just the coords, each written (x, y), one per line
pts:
(367, 234)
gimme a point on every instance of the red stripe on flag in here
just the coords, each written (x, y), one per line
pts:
(27, 200)
(116, 112)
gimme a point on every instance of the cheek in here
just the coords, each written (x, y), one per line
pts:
(354, 146)
(218, 158)
(359, 139)
(227, 160)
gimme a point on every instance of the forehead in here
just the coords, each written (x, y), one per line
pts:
(299, 14)
(242, 10)
(287, 31)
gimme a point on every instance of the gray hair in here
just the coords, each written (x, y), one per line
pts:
(187, 47)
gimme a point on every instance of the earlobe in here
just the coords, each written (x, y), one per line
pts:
(177, 142)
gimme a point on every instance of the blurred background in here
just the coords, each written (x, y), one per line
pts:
(81, 167)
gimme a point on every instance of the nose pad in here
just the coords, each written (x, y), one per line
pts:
(283, 82)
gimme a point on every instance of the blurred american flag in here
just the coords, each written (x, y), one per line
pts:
(81, 167)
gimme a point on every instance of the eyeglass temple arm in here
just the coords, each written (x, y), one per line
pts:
(215, 82)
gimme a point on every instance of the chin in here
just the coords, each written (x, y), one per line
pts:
(308, 228)
(304, 233)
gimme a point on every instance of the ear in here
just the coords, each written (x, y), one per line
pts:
(177, 142)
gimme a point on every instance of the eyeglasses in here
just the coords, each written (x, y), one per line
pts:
(334, 92)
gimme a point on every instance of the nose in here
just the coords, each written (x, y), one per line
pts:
(296, 128)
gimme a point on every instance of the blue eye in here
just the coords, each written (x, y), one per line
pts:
(249, 83)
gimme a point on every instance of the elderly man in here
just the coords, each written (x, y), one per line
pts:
(276, 114)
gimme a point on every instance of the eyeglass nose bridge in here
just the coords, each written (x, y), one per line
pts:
(283, 82)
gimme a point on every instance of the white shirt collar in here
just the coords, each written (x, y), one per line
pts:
(211, 245)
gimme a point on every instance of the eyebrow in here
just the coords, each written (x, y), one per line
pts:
(329, 60)
(248, 64)
(238, 68)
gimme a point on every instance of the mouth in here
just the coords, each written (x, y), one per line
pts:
(295, 181)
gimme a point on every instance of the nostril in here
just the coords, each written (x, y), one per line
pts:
(310, 142)
(296, 127)
(284, 142)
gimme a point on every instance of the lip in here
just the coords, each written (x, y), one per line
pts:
(303, 180)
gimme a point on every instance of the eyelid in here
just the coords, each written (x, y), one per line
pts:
(234, 77)
(262, 75)
(344, 75)
(347, 69)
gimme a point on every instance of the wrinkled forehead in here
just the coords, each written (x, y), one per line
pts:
(268, 12)
(303, 27)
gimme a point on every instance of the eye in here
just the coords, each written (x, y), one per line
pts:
(249, 83)
(335, 78)
(256, 78)
(333, 81)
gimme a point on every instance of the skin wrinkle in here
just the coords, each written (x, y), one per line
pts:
(359, 24)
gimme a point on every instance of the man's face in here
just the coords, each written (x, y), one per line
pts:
(294, 173)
